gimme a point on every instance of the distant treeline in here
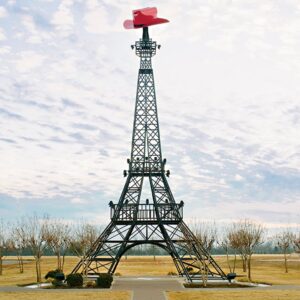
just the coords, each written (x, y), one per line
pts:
(150, 250)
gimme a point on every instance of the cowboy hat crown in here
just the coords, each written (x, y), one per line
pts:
(144, 17)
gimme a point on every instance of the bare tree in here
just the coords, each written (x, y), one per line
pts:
(58, 239)
(225, 244)
(296, 242)
(206, 233)
(285, 240)
(17, 243)
(34, 231)
(253, 237)
(236, 243)
(3, 243)
(246, 236)
(83, 237)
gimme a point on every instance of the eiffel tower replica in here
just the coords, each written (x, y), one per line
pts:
(135, 220)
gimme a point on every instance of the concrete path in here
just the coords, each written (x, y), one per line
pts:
(154, 288)
(148, 288)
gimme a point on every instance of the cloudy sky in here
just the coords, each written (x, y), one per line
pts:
(227, 80)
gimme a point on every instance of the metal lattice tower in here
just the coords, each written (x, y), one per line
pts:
(136, 221)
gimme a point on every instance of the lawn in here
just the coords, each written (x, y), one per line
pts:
(270, 269)
(146, 265)
(100, 295)
(266, 268)
(11, 275)
(235, 295)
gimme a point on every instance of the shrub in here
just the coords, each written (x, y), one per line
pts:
(52, 274)
(104, 280)
(189, 269)
(118, 274)
(59, 276)
(74, 280)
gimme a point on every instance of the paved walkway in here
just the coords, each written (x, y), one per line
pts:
(148, 288)
(154, 288)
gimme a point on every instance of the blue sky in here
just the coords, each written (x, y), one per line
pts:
(227, 79)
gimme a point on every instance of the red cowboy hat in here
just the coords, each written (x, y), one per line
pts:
(144, 17)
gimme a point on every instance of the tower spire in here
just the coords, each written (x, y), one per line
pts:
(158, 220)
(145, 34)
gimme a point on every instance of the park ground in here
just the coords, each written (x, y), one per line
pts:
(267, 269)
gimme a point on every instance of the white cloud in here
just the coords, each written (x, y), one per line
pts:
(29, 60)
(272, 213)
(3, 12)
(4, 50)
(77, 201)
(34, 35)
(99, 17)
(96, 18)
(259, 176)
(222, 181)
(238, 177)
(63, 18)
(2, 35)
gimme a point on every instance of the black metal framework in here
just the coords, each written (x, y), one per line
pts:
(160, 221)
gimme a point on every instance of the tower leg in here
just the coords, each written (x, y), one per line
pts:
(176, 239)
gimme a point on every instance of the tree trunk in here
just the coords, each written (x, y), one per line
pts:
(59, 262)
(206, 275)
(38, 269)
(249, 268)
(285, 262)
(85, 268)
(1, 264)
(203, 274)
(21, 264)
(63, 262)
(234, 263)
(227, 257)
(244, 263)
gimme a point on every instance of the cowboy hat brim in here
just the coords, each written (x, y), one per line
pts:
(130, 24)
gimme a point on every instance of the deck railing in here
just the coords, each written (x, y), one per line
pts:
(146, 212)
